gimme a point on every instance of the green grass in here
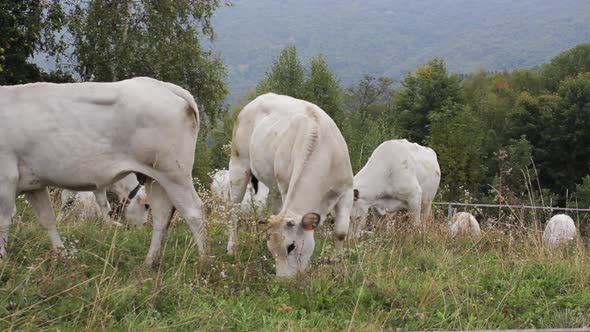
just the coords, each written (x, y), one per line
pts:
(408, 279)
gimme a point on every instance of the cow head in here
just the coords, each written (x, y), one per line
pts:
(136, 214)
(291, 243)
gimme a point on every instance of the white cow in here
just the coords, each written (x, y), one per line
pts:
(86, 136)
(294, 148)
(560, 228)
(130, 193)
(82, 204)
(220, 187)
(464, 223)
(398, 175)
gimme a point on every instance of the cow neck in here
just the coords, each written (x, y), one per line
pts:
(310, 138)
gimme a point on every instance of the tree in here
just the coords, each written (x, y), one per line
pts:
(371, 97)
(114, 40)
(582, 194)
(27, 27)
(526, 80)
(456, 135)
(430, 89)
(566, 64)
(322, 89)
(221, 137)
(368, 121)
(286, 77)
(537, 118)
(513, 180)
(571, 153)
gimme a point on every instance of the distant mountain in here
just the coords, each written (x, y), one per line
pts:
(393, 37)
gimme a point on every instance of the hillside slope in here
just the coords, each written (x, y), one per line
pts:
(392, 37)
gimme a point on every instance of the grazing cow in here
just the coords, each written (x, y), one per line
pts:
(398, 175)
(294, 148)
(220, 187)
(464, 224)
(560, 228)
(86, 136)
(82, 203)
(128, 190)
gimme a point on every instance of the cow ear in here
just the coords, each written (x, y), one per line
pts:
(310, 221)
(356, 194)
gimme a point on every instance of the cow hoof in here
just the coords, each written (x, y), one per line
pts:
(152, 263)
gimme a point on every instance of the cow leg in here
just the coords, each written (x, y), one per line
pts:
(105, 207)
(7, 205)
(415, 207)
(342, 220)
(66, 199)
(426, 206)
(41, 204)
(186, 200)
(239, 176)
(8, 186)
(162, 211)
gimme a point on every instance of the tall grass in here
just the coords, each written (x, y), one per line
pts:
(400, 277)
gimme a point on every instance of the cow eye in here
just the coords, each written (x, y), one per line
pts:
(290, 248)
(146, 206)
(290, 223)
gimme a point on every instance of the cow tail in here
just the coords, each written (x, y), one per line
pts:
(254, 182)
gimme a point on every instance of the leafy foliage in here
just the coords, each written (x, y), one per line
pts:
(528, 117)
(322, 89)
(368, 120)
(430, 89)
(456, 135)
(582, 196)
(286, 76)
(114, 40)
(27, 27)
(566, 65)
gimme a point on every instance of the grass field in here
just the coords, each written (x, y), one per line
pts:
(406, 278)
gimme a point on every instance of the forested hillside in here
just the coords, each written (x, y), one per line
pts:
(517, 136)
(392, 37)
(381, 69)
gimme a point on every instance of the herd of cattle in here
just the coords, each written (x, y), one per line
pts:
(136, 138)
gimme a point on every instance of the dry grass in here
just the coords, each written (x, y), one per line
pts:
(395, 277)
